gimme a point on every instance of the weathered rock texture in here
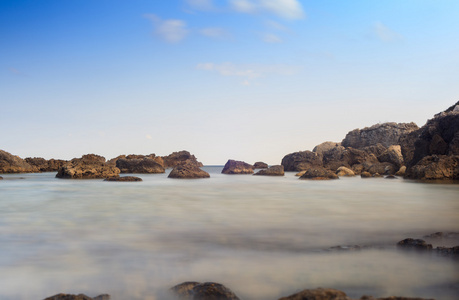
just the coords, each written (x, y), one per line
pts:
(260, 165)
(318, 173)
(77, 297)
(325, 146)
(343, 171)
(123, 178)
(435, 167)
(392, 155)
(188, 171)
(139, 165)
(10, 163)
(180, 158)
(87, 167)
(299, 161)
(414, 244)
(237, 167)
(203, 291)
(318, 294)
(386, 134)
(44, 165)
(277, 170)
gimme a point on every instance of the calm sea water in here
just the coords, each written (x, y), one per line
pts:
(263, 237)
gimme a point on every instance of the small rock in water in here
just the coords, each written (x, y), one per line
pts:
(77, 297)
(414, 244)
(260, 165)
(390, 177)
(272, 171)
(123, 178)
(203, 291)
(365, 175)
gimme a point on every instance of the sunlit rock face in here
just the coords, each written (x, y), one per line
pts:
(89, 166)
(237, 167)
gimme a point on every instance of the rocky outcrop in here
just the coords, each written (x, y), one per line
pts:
(353, 158)
(188, 171)
(318, 173)
(401, 171)
(87, 167)
(260, 165)
(180, 158)
(44, 165)
(386, 134)
(392, 155)
(277, 170)
(10, 163)
(299, 161)
(318, 294)
(435, 167)
(382, 168)
(414, 244)
(123, 178)
(139, 165)
(77, 297)
(203, 291)
(237, 167)
(343, 171)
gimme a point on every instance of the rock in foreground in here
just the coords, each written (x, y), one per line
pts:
(318, 174)
(87, 167)
(237, 167)
(272, 171)
(203, 291)
(188, 171)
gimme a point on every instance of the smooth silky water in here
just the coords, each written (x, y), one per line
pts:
(263, 237)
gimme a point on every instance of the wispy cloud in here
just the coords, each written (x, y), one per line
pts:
(385, 34)
(288, 9)
(247, 72)
(172, 30)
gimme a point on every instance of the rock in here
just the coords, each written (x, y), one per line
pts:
(445, 251)
(382, 168)
(87, 167)
(139, 165)
(390, 177)
(123, 178)
(203, 291)
(365, 175)
(318, 294)
(392, 155)
(319, 173)
(386, 134)
(260, 165)
(189, 170)
(237, 167)
(414, 244)
(376, 150)
(401, 171)
(300, 161)
(180, 158)
(300, 173)
(77, 297)
(1, 178)
(44, 165)
(343, 171)
(376, 175)
(335, 158)
(435, 168)
(277, 170)
(10, 163)
(324, 147)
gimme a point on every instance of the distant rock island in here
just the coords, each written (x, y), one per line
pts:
(402, 149)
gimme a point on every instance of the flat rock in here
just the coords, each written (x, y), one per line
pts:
(237, 167)
(123, 178)
(87, 167)
(318, 174)
(188, 171)
(203, 291)
(277, 170)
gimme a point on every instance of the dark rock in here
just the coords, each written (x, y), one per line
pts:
(386, 134)
(392, 155)
(382, 168)
(414, 244)
(87, 167)
(376, 150)
(300, 161)
(139, 165)
(445, 251)
(260, 165)
(435, 168)
(237, 167)
(390, 177)
(14, 164)
(335, 157)
(319, 174)
(44, 165)
(190, 170)
(203, 291)
(123, 178)
(180, 158)
(343, 171)
(365, 175)
(324, 147)
(77, 297)
(318, 294)
(277, 170)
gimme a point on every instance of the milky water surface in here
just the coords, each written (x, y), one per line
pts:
(264, 237)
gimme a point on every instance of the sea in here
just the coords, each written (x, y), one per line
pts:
(262, 237)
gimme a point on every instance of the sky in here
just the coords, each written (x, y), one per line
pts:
(250, 80)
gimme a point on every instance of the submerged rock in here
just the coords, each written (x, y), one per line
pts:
(260, 165)
(277, 170)
(237, 167)
(203, 291)
(189, 171)
(87, 167)
(319, 174)
(414, 244)
(123, 178)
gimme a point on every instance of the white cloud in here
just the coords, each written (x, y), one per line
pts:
(213, 32)
(172, 30)
(288, 9)
(384, 33)
(271, 38)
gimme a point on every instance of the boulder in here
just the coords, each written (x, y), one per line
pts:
(190, 170)
(180, 158)
(87, 167)
(414, 244)
(139, 165)
(10, 163)
(377, 149)
(123, 178)
(382, 168)
(237, 167)
(343, 171)
(77, 297)
(299, 161)
(386, 134)
(435, 167)
(319, 173)
(277, 170)
(260, 165)
(392, 155)
(44, 165)
(365, 175)
(324, 147)
(401, 171)
(300, 173)
(335, 157)
(203, 291)
(318, 294)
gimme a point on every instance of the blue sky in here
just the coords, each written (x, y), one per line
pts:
(225, 79)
